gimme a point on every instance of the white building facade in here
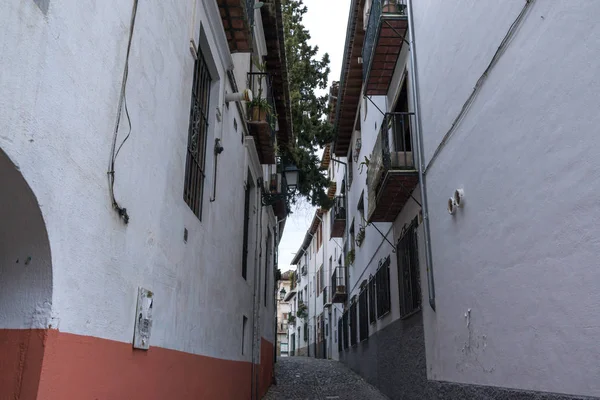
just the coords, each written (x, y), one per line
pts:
(152, 88)
(482, 288)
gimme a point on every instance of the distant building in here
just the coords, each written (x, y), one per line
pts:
(283, 312)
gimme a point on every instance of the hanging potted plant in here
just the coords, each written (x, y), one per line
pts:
(259, 109)
(393, 7)
(302, 311)
(349, 258)
(360, 235)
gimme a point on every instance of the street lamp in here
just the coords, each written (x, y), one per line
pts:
(282, 294)
(289, 177)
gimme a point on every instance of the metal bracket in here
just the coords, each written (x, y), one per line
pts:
(397, 33)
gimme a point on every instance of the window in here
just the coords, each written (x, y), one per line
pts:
(319, 237)
(322, 275)
(363, 315)
(352, 238)
(353, 324)
(319, 280)
(306, 332)
(339, 335)
(361, 206)
(193, 189)
(350, 169)
(382, 278)
(408, 272)
(372, 297)
(247, 196)
(285, 316)
(345, 329)
(244, 323)
(267, 258)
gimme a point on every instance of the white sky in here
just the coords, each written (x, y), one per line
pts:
(326, 21)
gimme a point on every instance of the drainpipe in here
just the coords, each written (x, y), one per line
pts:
(419, 142)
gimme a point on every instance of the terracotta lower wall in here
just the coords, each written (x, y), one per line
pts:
(21, 356)
(61, 366)
(266, 366)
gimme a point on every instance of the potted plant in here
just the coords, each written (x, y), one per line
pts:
(302, 311)
(360, 236)
(350, 258)
(292, 319)
(393, 7)
(259, 109)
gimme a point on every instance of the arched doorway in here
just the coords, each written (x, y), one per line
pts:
(25, 285)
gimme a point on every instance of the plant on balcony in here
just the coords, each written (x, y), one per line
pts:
(360, 235)
(350, 258)
(302, 311)
(259, 108)
(364, 164)
(393, 7)
(292, 319)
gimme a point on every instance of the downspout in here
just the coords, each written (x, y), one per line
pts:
(419, 142)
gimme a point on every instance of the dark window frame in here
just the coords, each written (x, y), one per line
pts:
(382, 278)
(409, 280)
(193, 189)
(247, 198)
(372, 300)
(353, 324)
(345, 329)
(363, 316)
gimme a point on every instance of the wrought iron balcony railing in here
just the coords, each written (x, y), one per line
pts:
(393, 151)
(338, 285)
(262, 115)
(338, 216)
(386, 28)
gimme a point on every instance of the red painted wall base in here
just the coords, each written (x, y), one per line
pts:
(51, 365)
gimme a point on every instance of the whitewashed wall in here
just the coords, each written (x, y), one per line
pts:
(522, 254)
(60, 84)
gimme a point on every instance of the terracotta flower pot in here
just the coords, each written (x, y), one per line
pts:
(259, 114)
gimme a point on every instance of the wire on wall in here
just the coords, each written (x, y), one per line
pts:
(122, 104)
(501, 48)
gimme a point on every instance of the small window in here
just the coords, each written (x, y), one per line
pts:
(197, 132)
(353, 324)
(382, 278)
(363, 315)
(408, 272)
(247, 198)
(350, 169)
(244, 323)
(345, 329)
(372, 297)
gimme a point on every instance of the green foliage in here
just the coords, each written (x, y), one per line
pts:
(302, 311)
(306, 74)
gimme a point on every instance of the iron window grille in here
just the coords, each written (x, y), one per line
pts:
(372, 301)
(345, 329)
(197, 132)
(353, 324)
(382, 278)
(408, 272)
(339, 333)
(363, 315)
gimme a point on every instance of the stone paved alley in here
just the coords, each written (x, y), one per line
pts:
(313, 379)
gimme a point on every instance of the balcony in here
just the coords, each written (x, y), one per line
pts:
(262, 116)
(326, 297)
(391, 175)
(338, 288)
(338, 217)
(303, 270)
(238, 18)
(388, 23)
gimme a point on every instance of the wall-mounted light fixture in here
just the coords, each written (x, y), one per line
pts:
(283, 186)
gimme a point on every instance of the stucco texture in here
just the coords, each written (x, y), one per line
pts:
(516, 268)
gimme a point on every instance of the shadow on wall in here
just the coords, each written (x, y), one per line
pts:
(25, 285)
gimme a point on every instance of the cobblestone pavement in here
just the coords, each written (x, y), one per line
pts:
(304, 378)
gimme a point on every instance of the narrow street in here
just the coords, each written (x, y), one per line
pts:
(311, 379)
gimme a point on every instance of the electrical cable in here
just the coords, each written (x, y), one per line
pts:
(122, 103)
(509, 34)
